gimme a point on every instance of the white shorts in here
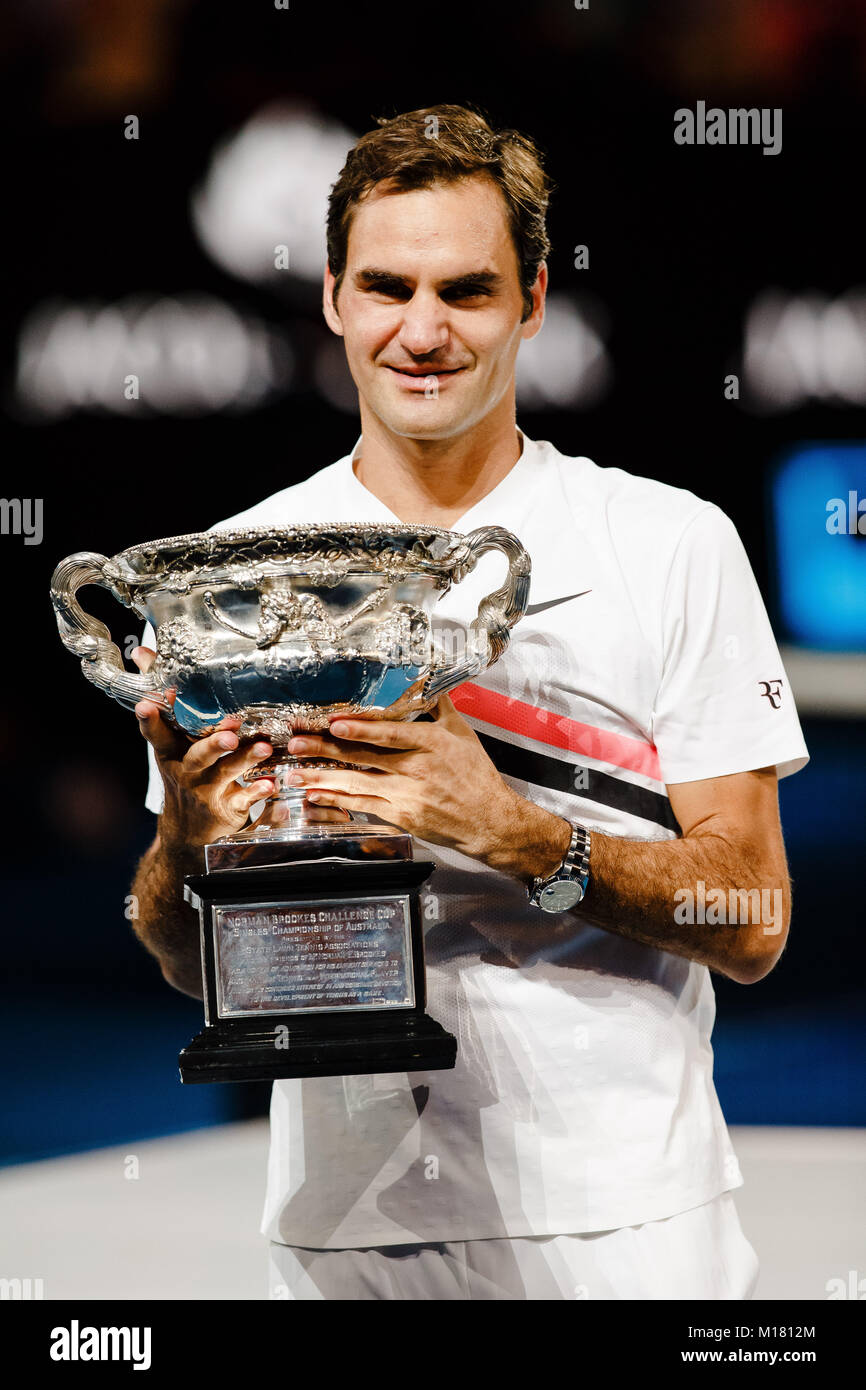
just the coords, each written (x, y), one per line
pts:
(700, 1254)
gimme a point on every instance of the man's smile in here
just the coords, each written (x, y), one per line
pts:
(415, 377)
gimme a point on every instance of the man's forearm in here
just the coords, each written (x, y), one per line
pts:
(657, 893)
(166, 924)
(640, 890)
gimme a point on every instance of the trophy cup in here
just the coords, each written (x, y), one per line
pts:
(310, 925)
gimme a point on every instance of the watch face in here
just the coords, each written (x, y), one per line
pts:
(559, 897)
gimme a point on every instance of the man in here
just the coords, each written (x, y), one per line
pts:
(623, 747)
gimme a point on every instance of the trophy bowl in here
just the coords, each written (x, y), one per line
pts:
(286, 626)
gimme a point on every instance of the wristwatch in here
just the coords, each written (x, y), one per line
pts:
(567, 885)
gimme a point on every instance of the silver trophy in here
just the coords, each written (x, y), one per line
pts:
(312, 947)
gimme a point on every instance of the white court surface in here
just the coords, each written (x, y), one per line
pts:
(187, 1226)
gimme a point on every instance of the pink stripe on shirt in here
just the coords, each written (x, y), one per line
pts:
(518, 717)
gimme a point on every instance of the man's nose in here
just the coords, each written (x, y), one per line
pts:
(425, 325)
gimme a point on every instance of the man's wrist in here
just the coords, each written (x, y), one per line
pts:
(175, 846)
(535, 845)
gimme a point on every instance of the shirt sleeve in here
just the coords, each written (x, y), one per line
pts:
(724, 704)
(155, 797)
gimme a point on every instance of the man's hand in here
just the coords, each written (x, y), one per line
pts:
(433, 779)
(203, 802)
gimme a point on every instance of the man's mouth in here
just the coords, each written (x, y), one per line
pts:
(422, 374)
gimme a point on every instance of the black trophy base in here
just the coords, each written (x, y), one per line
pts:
(226, 1053)
(313, 968)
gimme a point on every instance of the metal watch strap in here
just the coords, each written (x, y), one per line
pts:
(575, 863)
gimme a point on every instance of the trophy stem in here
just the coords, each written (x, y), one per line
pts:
(287, 809)
(290, 828)
(287, 815)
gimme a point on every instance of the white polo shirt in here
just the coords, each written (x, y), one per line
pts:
(583, 1097)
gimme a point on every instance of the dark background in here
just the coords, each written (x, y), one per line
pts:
(681, 240)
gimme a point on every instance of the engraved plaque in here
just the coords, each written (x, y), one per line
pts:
(311, 957)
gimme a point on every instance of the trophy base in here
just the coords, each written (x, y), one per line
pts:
(226, 1053)
(314, 966)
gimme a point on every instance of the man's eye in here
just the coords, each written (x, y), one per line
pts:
(465, 291)
(388, 288)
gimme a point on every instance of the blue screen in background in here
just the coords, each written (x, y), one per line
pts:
(821, 571)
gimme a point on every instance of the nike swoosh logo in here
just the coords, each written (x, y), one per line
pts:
(552, 602)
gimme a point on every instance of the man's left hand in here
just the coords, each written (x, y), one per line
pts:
(432, 779)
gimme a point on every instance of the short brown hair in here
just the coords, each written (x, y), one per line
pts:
(441, 144)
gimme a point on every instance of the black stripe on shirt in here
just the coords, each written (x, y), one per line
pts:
(560, 776)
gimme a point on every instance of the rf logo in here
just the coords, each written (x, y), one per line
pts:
(773, 692)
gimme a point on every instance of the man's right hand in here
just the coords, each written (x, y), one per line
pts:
(203, 802)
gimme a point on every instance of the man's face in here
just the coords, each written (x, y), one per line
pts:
(430, 306)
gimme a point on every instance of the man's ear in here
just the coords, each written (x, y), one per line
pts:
(329, 309)
(532, 324)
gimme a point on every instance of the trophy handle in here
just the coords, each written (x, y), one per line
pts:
(90, 639)
(497, 613)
